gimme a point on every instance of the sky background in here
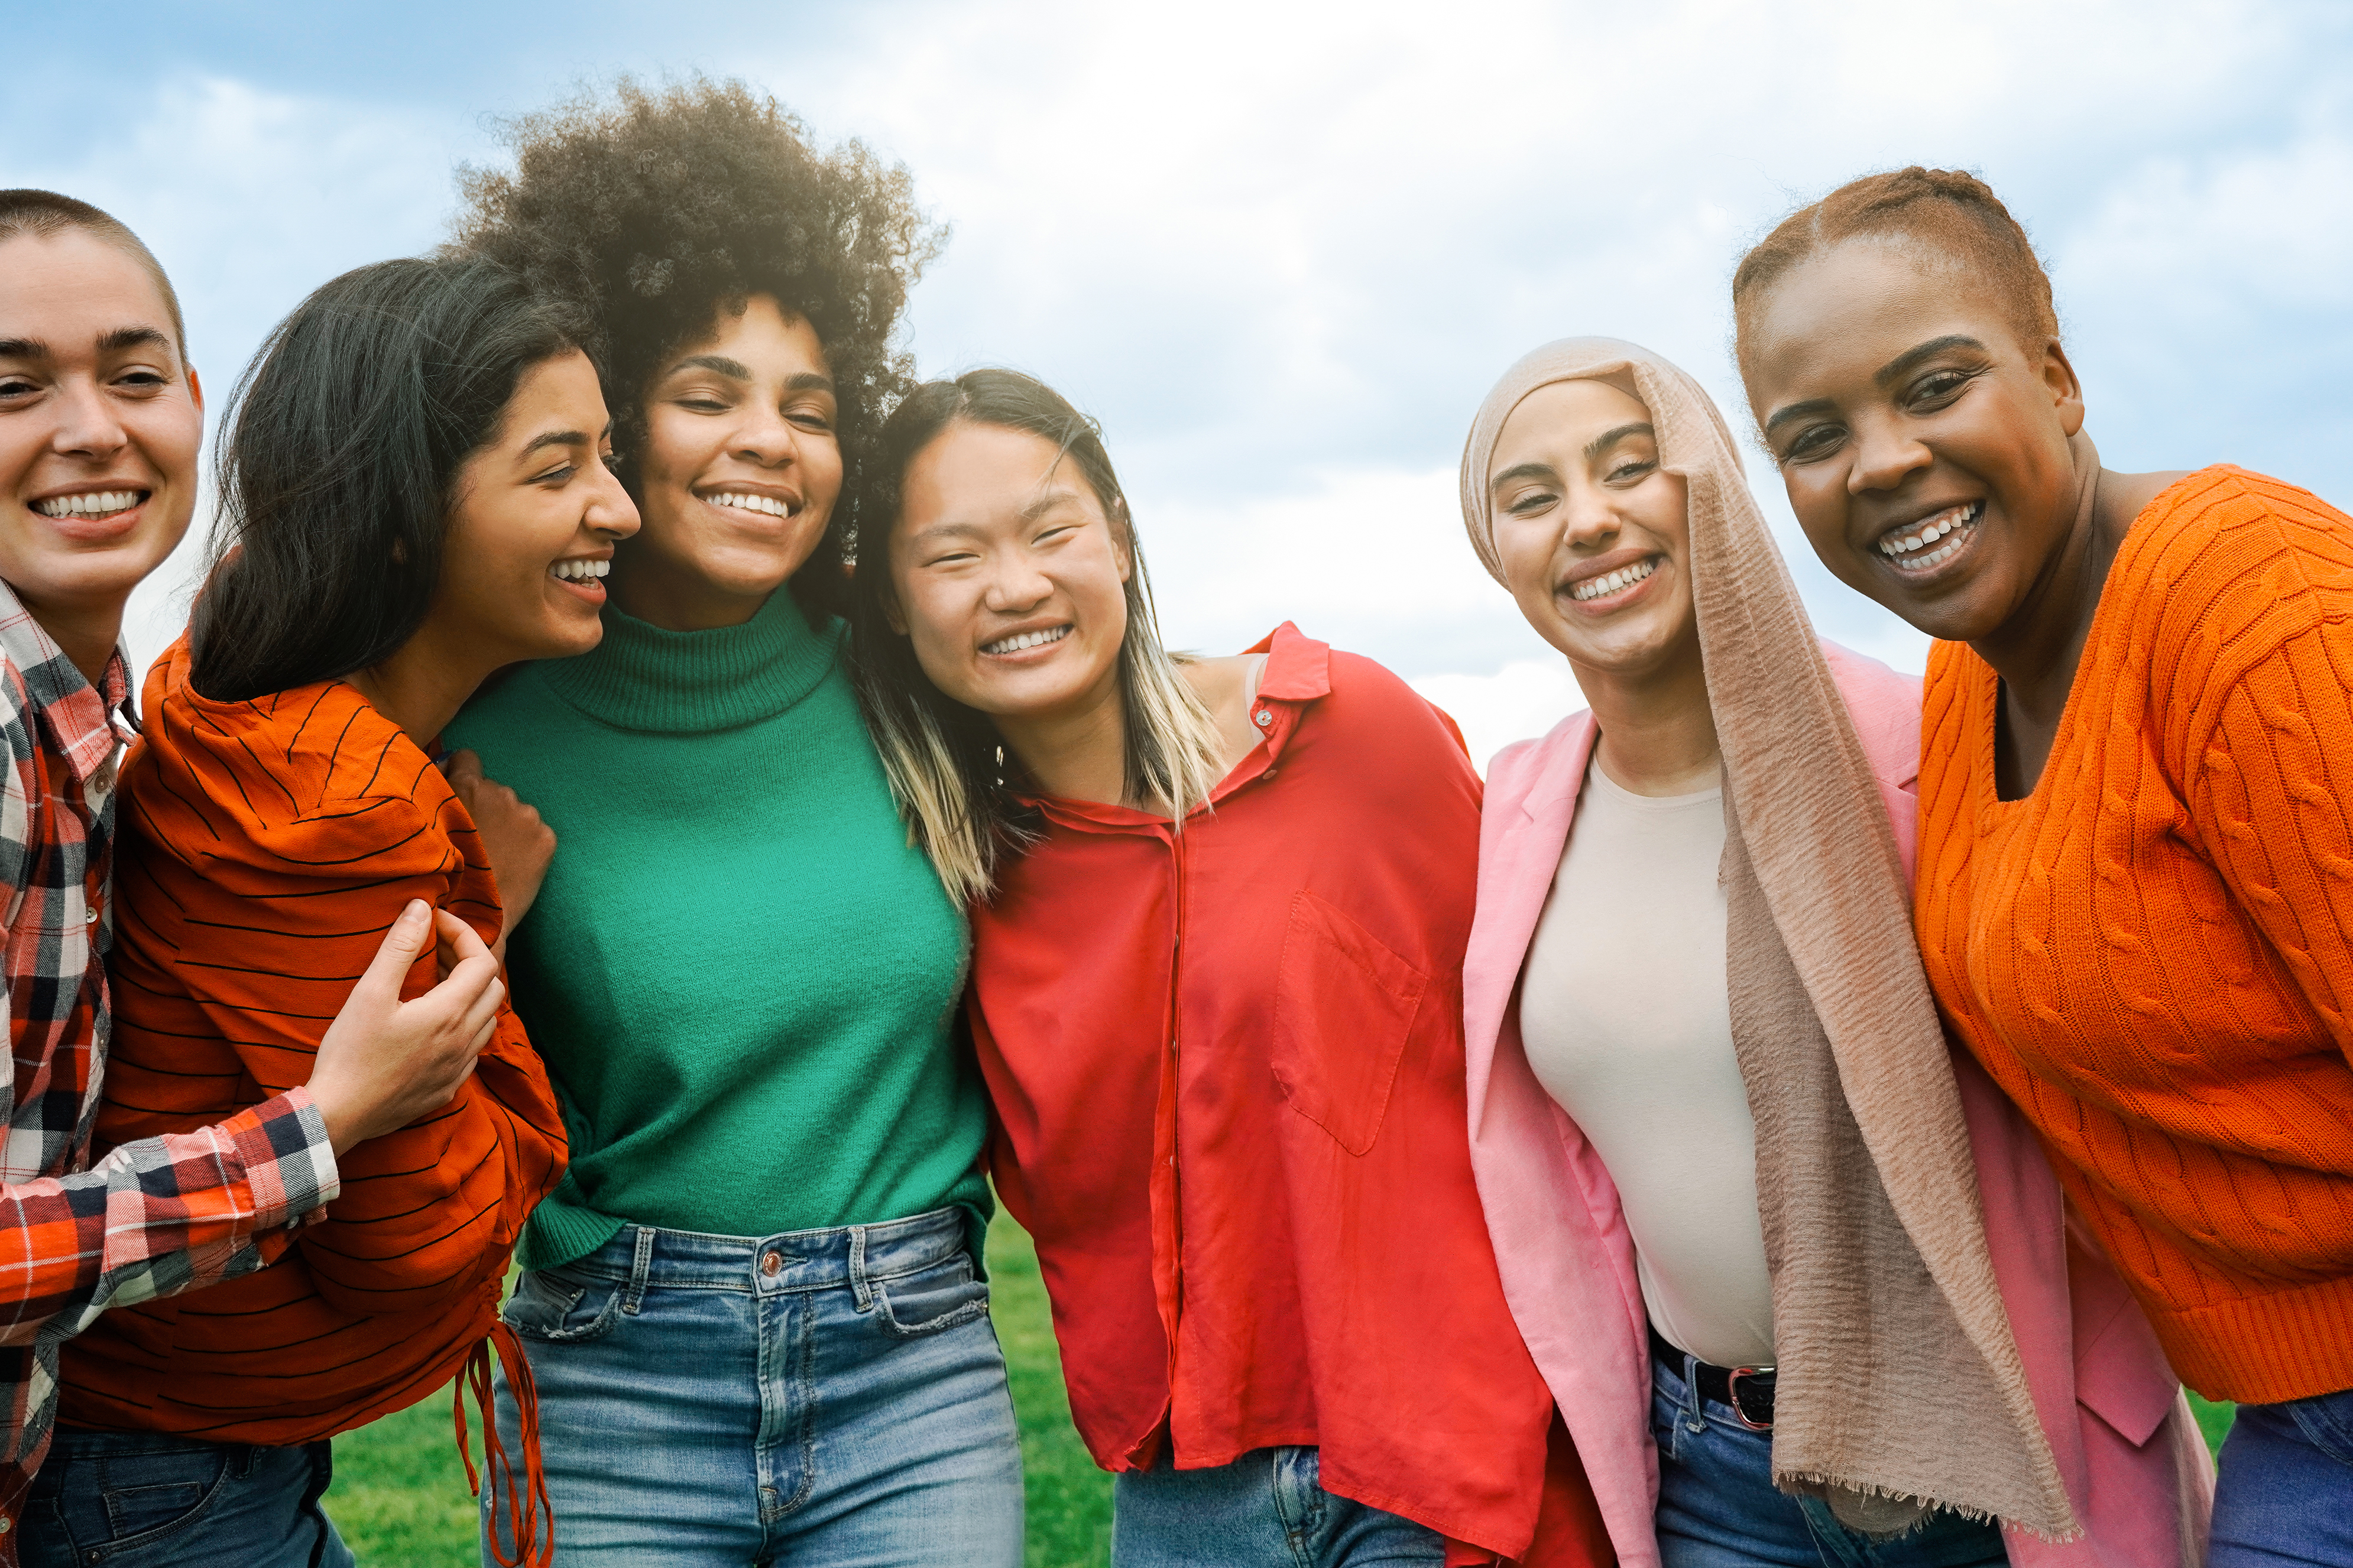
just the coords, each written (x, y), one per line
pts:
(1283, 250)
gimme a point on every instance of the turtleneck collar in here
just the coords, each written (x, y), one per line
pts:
(644, 678)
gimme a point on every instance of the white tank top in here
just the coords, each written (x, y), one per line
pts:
(1624, 1012)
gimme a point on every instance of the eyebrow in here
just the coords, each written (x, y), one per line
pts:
(1046, 502)
(1806, 410)
(736, 369)
(1894, 369)
(1523, 471)
(555, 439)
(115, 341)
(947, 531)
(1608, 438)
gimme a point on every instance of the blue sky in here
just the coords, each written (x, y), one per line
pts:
(1282, 250)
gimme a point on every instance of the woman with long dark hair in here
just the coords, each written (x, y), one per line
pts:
(1219, 907)
(755, 1309)
(414, 495)
(2135, 892)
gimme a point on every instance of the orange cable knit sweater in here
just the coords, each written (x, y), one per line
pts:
(2153, 951)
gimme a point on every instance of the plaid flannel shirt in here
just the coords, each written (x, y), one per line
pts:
(151, 1218)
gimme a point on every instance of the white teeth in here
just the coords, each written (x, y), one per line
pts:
(580, 570)
(97, 504)
(1935, 529)
(1611, 582)
(768, 504)
(1026, 639)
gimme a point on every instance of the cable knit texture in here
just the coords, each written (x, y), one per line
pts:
(2150, 952)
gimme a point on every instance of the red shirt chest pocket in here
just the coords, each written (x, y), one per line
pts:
(1344, 1006)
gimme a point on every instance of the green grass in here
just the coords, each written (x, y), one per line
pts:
(400, 1497)
(2214, 1419)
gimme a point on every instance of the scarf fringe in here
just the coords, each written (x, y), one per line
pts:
(534, 1546)
(1791, 1481)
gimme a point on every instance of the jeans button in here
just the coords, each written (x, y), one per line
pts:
(770, 1264)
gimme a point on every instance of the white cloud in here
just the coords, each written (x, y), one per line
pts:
(1282, 249)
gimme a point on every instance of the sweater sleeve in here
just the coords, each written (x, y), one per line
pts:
(2272, 793)
(426, 1210)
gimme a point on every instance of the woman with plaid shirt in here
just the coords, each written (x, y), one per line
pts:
(100, 422)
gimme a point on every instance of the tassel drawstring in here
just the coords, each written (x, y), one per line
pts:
(534, 1545)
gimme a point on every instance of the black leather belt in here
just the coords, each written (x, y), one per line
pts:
(1747, 1391)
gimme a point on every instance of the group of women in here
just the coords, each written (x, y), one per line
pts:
(875, 845)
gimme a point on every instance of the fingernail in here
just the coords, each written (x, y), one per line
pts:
(417, 912)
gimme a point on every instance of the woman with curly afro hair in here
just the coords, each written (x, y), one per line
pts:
(753, 1308)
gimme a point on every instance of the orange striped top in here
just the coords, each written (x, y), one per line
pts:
(265, 847)
(2153, 951)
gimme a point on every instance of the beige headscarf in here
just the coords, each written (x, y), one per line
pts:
(1900, 1386)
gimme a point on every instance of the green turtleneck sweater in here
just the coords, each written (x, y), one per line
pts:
(742, 976)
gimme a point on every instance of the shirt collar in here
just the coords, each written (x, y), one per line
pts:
(80, 717)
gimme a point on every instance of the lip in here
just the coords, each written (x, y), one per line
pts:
(791, 498)
(83, 529)
(1939, 558)
(588, 590)
(1601, 566)
(1037, 654)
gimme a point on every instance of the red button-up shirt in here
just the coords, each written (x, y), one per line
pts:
(1227, 1065)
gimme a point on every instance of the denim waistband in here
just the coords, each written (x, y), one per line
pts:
(853, 1254)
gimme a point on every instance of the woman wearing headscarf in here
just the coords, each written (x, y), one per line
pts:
(1799, 1276)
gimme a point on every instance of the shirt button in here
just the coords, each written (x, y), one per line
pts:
(92, 919)
(1263, 718)
(770, 1264)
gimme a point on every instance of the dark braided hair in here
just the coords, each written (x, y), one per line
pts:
(654, 212)
(1945, 216)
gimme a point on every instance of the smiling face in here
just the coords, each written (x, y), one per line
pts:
(1923, 447)
(1594, 535)
(533, 530)
(1006, 576)
(99, 423)
(741, 471)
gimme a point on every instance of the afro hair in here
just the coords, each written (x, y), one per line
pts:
(649, 213)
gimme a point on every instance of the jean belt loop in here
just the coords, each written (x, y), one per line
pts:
(641, 1267)
(859, 1292)
(1692, 1416)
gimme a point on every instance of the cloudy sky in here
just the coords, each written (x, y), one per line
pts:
(1282, 249)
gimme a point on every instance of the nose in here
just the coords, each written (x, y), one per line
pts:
(765, 437)
(611, 510)
(1884, 456)
(1016, 587)
(85, 423)
(1589, 521)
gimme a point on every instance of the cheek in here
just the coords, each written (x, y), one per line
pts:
(1526, 548)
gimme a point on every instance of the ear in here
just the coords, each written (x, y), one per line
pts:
(196, 389)
(891, 614)
(1119, 549)
(2059, 381)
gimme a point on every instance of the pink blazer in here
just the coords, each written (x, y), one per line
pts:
(2099, 1379)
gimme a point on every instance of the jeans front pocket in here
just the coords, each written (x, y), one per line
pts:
(156, 1494)
(1344, 1006)
(931, 1299)
(563, 1306)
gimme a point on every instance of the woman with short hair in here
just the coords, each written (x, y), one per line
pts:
(2135, 896)
(1798, 1276)
(755, 1310)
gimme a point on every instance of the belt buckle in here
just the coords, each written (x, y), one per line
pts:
(1732, 1396)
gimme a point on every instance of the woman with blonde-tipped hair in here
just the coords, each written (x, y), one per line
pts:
(1797, 1275)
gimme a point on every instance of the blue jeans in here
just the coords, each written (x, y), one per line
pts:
(1718, 1507)
(818, 1397)
(1266, 1510)
(2286, 1491)
(144, 1501)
